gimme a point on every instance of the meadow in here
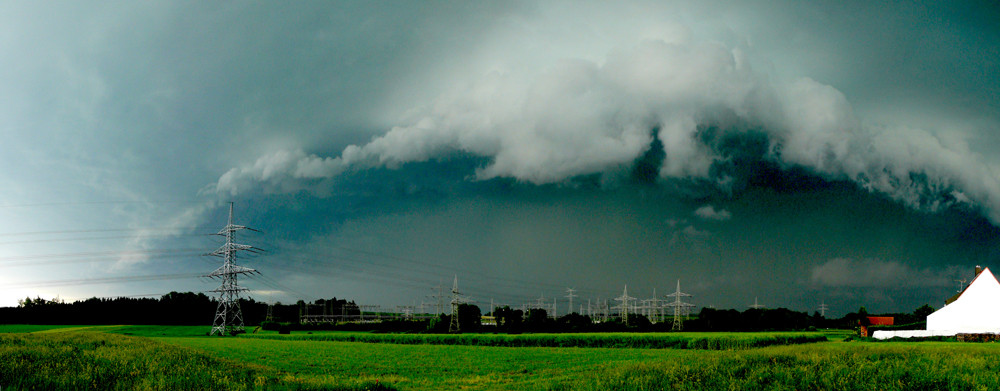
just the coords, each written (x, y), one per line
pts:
(155, 357)
(707, 341)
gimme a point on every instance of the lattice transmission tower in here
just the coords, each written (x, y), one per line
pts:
(456, 300)
(679, 307)
(624, 308)
(570, 296)
(228, 316)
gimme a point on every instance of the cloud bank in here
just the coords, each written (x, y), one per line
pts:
(850, 273)
(584, 118)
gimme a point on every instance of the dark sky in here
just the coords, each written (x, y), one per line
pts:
(797, 153)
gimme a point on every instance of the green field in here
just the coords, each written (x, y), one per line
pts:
(31, 328)
(161, 357)
(706, 341)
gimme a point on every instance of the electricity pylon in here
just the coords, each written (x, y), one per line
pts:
(570, 296)
(540, 302)
(822, 309)
(679, 306)
(625, 299)
(652, 307)
(456, 299)
(228, 316)
(439, 296)
(755, 305)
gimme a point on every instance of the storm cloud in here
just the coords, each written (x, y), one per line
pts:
(584, 118)
(526, 146)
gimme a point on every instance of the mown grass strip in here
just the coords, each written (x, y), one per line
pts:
(630, 341)
(32, 328)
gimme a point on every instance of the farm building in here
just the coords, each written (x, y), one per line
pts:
(875, 321)
(975, 310)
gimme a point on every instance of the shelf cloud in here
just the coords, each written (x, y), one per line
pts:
(582, 118)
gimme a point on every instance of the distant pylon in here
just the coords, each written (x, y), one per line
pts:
(440, 296)
(456, 299)
(228, 316)
(755, 305)
(625, 299)
(270, 310)
(654, 310)
(570, 296)
(679, 307)
(822, 309)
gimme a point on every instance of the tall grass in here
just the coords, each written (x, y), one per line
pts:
(857, 368)
(616, 340)
(77, 360)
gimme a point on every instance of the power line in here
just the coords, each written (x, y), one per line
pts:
(70, 203)
(526, 284)
(407, 267)
(102, 230)
(68, 259)
(398, 274)
(95, 254)
(103, 280)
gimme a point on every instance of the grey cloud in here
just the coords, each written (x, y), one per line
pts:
(708, 212)
(874, 273)
(584, 118)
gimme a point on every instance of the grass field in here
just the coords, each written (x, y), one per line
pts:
(155, 357)
(706, 341)
(31, 328)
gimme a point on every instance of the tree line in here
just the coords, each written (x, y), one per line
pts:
(189, 308)
(174, 308)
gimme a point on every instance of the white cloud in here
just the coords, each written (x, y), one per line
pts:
(281, 170)
(708, 212)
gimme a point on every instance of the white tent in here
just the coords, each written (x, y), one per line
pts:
(977, 309)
